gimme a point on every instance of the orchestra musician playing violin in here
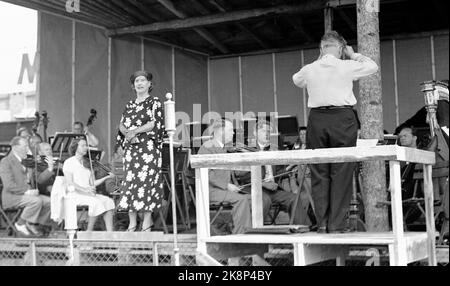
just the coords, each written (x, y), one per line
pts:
(18, 192)
(80, 180)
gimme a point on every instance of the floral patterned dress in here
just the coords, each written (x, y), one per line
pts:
(142, 187)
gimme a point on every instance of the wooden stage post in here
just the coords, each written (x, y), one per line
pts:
(399, 255)
(429, 214)
(257, 197)
(202, 207)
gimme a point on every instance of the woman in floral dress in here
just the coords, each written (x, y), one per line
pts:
(140, 134)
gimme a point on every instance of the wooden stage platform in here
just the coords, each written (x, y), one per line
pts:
(310, 248)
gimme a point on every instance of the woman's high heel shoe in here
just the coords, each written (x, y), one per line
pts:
(132, 229)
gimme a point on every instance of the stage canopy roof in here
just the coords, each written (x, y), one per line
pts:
(226, 27)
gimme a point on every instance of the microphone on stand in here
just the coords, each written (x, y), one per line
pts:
(170, 126)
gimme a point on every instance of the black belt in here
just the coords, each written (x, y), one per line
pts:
(333, 107)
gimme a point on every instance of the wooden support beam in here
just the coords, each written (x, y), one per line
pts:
(132, 10)
(328, 18)
(201, 31)
(371, 114)
(223, 8)
(147, 11)
(297, 23)
(220, 18)
(315, 156)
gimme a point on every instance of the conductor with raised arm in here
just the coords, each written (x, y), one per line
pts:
(332, 123)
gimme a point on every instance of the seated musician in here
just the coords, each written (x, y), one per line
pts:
(221, 190)
(272, 192)
(408, 137)
(80, 180)
(17, 191)
(45, 171)
(78, 127)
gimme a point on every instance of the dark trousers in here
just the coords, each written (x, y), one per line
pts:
(331, 183)
(286, 200)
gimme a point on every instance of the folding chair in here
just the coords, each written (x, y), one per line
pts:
(9, 216)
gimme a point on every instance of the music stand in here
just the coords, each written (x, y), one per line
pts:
(288, 129)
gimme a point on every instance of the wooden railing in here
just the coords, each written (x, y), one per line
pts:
(252, 162)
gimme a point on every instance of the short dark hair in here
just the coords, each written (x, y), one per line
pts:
(333, 35)
(137, 74)
(302, 128)
(413, 130)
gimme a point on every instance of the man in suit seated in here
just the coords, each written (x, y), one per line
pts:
(272, 192)
(221, 190)
(17, 191)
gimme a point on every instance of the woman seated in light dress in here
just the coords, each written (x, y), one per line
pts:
(80, 179)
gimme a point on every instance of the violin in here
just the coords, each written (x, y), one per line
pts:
(31, 162)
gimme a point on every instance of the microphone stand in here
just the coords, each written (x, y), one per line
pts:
(169, 108)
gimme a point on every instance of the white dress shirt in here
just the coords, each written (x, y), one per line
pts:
(329, 80)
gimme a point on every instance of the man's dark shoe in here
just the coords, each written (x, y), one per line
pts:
(34, 229)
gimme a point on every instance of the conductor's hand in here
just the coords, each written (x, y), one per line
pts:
(270, 185)
(349, 52)
(233, 188)
(110, 176)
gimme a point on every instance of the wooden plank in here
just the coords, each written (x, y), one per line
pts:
(201, 31)
(314, 156)
(202, 206)
(233, 168)
(414, 155)
(305, 254)
(222, 251)
(328, 19)
(429, 214)
(114, 236)
(397, 214)
(220, 18)
(417, 249)
(361, 238)
(257, 197)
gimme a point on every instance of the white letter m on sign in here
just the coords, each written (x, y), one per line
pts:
(73, 6)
